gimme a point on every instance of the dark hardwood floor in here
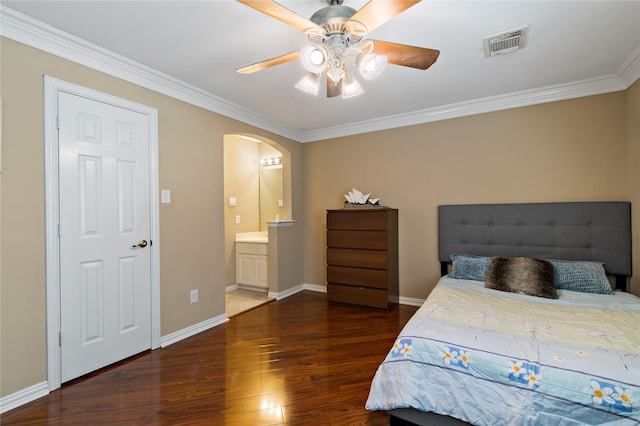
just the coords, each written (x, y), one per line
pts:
(298, 361)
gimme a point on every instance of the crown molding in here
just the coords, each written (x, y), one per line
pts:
(523, 98)
(629, 71)
(39, 35)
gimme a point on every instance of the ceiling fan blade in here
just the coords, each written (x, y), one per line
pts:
(377, 12)
(281, 13)
(334, 89)
(405, 55)
(269, 63)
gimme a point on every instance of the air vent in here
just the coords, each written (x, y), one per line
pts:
(507, 42)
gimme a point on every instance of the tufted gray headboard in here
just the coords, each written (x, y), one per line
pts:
(598, 231)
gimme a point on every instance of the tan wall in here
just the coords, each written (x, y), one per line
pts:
(283, 256)
(242, 181)
(633, 139)
(564, 151)
(192, 226)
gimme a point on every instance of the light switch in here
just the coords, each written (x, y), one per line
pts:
(165, 196)
(232, 201)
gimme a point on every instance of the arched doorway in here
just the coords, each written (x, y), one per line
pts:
(257, 189)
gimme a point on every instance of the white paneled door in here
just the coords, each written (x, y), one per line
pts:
(105, 284)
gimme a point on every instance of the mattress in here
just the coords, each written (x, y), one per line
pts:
(490, 358)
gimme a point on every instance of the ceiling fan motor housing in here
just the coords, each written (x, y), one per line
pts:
(332, 18)
(338, 33)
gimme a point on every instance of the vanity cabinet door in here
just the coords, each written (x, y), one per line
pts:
(251, 264)
(245, 269)
(262, 280)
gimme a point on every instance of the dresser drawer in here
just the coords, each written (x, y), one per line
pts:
(357, 296)
(361, 277)
(374, 259)
(374, 240)
(358, 220)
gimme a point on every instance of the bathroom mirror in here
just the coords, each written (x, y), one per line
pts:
(256, 188)
(271, 197)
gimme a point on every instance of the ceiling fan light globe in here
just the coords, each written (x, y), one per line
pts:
(310, 84)
(351, 87)
(335, 74)
(371, 65)
(313, 58)
(316, 57)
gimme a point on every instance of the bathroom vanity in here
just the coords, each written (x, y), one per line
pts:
(251, 259)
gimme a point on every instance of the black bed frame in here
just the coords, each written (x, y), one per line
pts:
(598, 231)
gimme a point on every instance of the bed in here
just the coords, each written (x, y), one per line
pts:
(524, 327)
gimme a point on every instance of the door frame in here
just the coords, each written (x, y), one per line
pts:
(52, 87)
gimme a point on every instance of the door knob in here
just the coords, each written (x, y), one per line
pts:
(141, 243)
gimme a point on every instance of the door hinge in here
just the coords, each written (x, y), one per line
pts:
(58, 122)
(60, 338)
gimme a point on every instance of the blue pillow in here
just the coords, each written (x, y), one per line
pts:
(584, 276)
(469, 267)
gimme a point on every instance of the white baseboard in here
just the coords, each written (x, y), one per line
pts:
(297, 289)
(323, 289)
(192, 330)
(411, 301)
(316, 287)
(279, 295)
(23, 396)
(252, 288)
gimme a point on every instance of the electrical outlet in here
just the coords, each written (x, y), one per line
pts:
(237, 219)
(194, 296)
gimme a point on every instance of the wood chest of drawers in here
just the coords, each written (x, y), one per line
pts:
(362, 257)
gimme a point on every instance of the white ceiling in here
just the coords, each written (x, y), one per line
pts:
(574, 49)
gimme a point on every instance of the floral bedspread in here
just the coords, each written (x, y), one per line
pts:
(491, 357)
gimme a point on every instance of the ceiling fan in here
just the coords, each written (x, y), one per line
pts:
(336, 33)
